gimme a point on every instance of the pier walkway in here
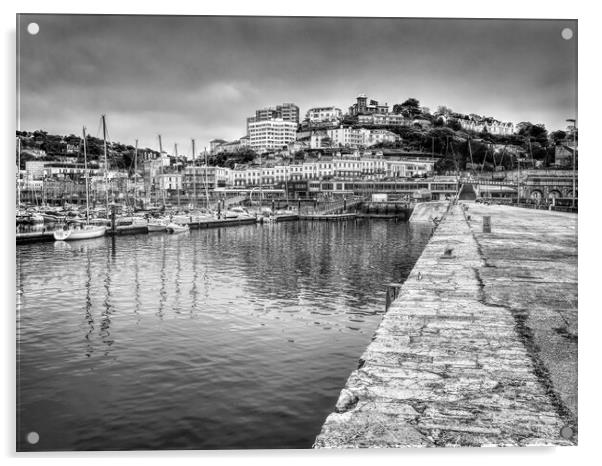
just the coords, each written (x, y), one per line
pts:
(479, 348)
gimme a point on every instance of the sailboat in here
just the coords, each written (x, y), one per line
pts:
(86, 231)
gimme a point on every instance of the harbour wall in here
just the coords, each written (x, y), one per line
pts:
(427, 211)
(480, 346)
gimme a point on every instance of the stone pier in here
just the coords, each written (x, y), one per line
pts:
(480, 347)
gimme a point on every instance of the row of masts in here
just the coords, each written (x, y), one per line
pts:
(105, 171)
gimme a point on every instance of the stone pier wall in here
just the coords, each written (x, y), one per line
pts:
(480, 348)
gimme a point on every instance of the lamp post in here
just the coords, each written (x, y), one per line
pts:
(574, 121)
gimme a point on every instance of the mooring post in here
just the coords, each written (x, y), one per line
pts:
(486, 224)
(113, 219)
(392, 293)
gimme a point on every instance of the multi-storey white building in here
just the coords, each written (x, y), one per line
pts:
(491, 126)
(350, 137)
(323, 114)
(169, 181)
(345, 168)
(384, 119)
(273, 134)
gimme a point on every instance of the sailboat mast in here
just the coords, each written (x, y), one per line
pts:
(161, 170)
(178, 162)
(18, 172)
(86, 176)
(136, 174)
(106, 179)
(193, 176)
(206, 186)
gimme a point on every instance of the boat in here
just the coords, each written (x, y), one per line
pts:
(157, 225)
(175, 228)
(85, 232)
(238, 212)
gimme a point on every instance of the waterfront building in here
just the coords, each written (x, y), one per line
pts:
(169, 181)
(193, 179)
(348, 168)
(439, 189)
(39, 170)
(365, 107)
(34, 170)
(270, 135)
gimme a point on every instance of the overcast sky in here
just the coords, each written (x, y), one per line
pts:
(200, 77)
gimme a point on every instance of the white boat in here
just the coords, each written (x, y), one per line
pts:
(85, 232)
(237, 212)
(157, 225)
(175, 228)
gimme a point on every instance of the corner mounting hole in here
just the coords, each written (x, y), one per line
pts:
(567, 33)
(33, 28)
(33, 438)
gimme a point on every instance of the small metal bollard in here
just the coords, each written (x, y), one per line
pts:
(486, 224)
(392, 293)
(448, 253)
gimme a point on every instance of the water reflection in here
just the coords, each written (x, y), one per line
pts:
(208, 340)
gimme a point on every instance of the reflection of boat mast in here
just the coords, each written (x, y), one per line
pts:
(194, 279)
(88, 306)
(105, 323)
(162, 292)
(178, 275)
(137, 283)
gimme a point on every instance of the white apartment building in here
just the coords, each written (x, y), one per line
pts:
(384, 119)
(323, 114)
(169, 181)
(350, 137)
(346, 137)
(492, 127)
(347, 168)
(272, 134)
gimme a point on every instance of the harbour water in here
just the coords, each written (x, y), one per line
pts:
(236, 337)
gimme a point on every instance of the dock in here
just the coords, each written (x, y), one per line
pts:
(328, 217)
(34, 237)
(480, 346)
(224, 222)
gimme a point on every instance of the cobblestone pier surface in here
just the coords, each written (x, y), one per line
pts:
(480, 348)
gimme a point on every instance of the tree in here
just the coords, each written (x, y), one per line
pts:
(537, 132)
(409, 108)
(454, 124)
(412, 103)
(558, 136)
(443, 110)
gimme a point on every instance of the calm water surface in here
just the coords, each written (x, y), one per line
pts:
(229, 338)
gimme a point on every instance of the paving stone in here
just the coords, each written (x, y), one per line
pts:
(481, 350)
